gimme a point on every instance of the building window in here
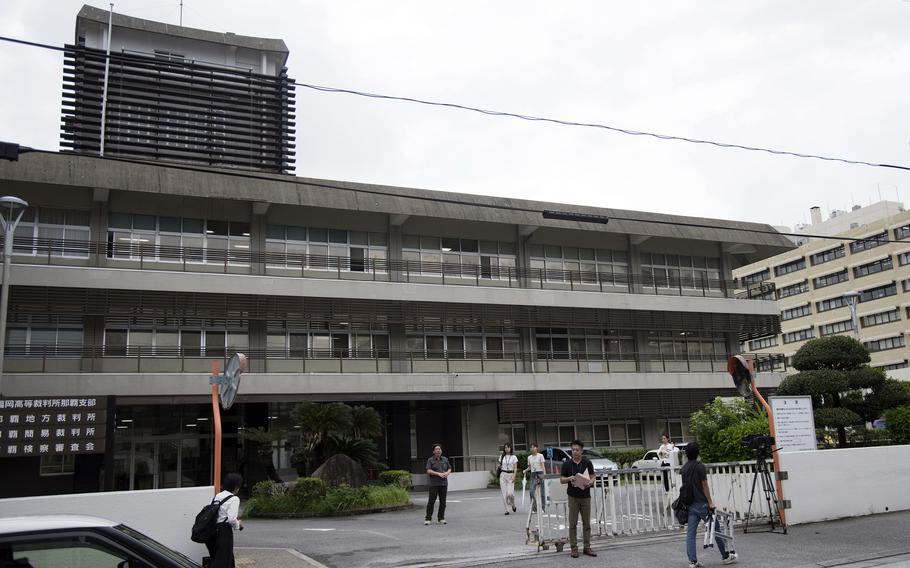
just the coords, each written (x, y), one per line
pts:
(793, 266)
(44, 336)
(756, 277)
(901, 232)
(830, 304)
(797, 312)
(680, 271)
(878, 292)
(62, 232)
(885, 344)
(872, 267)
(869, 242)
(462, 342)
(599, 434)
(321, 340)
(830, 279)
(793, 289)
(676, 429)
(880, 318)
(836, 327)
(686, 346)
(585, 344)
(799, 335)
(518, 435)
(827, 255)
(893, 366)
(586, 265)
(173, 337)
(763, 343)
(177, 239)
(903, 258)
(291, 246)
(57, 464)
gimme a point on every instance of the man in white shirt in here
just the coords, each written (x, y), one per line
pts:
(221, 547)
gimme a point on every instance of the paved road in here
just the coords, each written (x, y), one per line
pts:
(478, 534)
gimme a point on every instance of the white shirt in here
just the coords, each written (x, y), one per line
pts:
(665, 450)
(536, 462)
(228, 511)
(508, 462)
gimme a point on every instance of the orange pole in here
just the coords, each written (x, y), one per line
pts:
(216, 415)
(780, 489)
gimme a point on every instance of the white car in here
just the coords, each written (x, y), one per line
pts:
(47, 541)
(556, 455)
(652, 458)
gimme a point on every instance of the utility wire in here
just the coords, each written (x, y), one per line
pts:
(502, 207)
(532, 118)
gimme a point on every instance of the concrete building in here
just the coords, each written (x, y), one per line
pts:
(177, 94)
(463, 320)
(814, 284)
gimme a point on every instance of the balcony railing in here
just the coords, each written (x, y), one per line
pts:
(146, 256)
(139, 359)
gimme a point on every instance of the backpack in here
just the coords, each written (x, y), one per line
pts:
(681, 504)
(206, 523)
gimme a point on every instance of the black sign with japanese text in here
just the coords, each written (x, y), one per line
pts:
(52, 426)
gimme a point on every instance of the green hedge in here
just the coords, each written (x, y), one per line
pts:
(624, 457)
(309, 496)
(897, 423)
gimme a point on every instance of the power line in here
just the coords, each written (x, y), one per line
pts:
(502, 207)
(561, 122)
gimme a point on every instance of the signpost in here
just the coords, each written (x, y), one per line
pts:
(794, 423)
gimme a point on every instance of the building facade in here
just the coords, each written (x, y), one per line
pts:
(867, 260)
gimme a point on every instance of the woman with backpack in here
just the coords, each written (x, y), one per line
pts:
(508, 463)
(221, 546)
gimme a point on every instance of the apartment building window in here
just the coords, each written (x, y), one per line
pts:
(756, 277)
(290, 339)
(44, 336)
(170, 337)
(763, 343)
(319, 248)
(878, 292)
(869, 242)
(463, 342)
(903, 258)
(901, 232)
(905, 284)
(830, 304)
(872, 267)
(587, 265)
(827, 255)
(880, 318)
(598, 434)
(836, 327)
(580, 343)
(793, 266)
(797, 312)
(885, 344)
(177, 239)
(830, 279)
(686, 345)
(65, 232)
(679, 270)
(893, 366)
(793, 289)
(458, 257)
(799, 335)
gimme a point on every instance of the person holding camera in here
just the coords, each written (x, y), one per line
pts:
(695, 476)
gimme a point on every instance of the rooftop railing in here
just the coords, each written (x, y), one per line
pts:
(147, 256)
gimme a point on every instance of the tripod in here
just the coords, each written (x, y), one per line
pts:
(762, 471)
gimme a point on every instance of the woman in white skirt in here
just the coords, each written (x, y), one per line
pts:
(508, 463)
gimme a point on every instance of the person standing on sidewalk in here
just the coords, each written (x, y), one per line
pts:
(221, 547)
(579, 494)
(438, 470)
(508, 463)
(695, 475)
(537, 470)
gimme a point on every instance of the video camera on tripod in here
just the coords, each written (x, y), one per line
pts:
(761, 444)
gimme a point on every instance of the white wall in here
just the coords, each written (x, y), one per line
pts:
(832, 484)
(459, 481)
(166, 515)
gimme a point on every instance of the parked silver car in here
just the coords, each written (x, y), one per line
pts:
(556, 455)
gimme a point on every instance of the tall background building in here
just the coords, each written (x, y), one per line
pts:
(463, 320)
(866, 264)
(176, 94)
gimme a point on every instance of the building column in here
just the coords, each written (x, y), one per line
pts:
(98, 225)
(635, 275)
(257, 237)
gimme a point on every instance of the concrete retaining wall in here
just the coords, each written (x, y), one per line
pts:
(166, 515)
(459, 481)
(832, 484)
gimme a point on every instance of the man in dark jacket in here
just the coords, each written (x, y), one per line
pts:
(574, 471)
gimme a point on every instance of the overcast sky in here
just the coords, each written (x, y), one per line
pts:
(817, 77)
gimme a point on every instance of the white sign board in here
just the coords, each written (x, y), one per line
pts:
(794, 423)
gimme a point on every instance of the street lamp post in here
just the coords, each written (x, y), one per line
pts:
(11, 210)
(852, 297)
